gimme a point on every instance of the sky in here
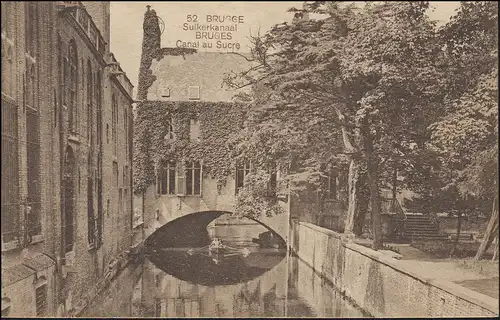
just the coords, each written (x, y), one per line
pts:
(127, 18)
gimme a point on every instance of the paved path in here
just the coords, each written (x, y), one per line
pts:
(481, 277)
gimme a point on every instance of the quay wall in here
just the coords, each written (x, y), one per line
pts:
(379, 284)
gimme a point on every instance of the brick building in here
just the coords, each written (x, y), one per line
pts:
(66, 156)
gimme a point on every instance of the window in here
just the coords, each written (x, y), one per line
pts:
(10, 172)
(90, 97)
(8, 47)
(331, 186)
(194, 130)
(166, 178)
(194, 93)
(271, 187)
(115, 172)
(30, 20)
(120, 202)
(193, 178)
(242, 169)
(169, 134)
(157, 280)
(157, 307)
(91, 225)
(114, 115)
(164, 92)
(29, 84)
(107, 133)
(61, 62)
(125, 129)
(99, 212)
(126, 179)
(55, 108)
(72, 83)
(98, 97)
(69, 199)
(33, 171)
(7, 21)
(41, 300)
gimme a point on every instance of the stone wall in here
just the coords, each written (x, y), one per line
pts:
(381, 285)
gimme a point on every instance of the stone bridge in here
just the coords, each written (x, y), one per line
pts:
(191, 229)
(196, 212)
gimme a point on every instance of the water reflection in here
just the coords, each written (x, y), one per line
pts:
(239, 261)
(287, 287)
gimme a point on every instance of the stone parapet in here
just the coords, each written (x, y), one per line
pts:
(382, 285)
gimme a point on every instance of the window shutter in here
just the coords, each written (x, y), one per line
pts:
(158, 179)
(201, 178)
(181, 181)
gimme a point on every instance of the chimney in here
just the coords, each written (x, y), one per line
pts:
(151, 43)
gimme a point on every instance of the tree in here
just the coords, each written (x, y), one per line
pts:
(467, 135)
(368, 75)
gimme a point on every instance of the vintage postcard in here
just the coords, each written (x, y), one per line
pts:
(330, 159)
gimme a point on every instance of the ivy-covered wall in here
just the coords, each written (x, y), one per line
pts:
(217, 120)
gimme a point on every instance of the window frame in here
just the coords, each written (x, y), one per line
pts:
(166, 182)
(10, 173)
(44, 304)
(72, 92)
(191, 168)
(69, 181)
(246, 169)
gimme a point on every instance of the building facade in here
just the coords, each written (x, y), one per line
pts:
(66, 156)
(192, 81)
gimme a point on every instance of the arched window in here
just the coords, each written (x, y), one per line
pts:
(72, 82)
(69, 200)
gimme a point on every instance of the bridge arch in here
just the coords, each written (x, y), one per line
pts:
(191, 230)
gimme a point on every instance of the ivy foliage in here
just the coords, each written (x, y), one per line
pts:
(154, 142)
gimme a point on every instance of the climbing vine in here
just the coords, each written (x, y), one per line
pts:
(153, 141)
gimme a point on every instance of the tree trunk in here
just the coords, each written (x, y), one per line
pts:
(352, 191)
(495, 251)
(394, 183)
(352, 216)
(490, 232)
(363, 200)
(372, 171)
(459, 228)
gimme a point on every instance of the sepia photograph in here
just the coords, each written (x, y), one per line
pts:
(249, 159)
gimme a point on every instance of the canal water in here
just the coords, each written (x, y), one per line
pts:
(245, 281)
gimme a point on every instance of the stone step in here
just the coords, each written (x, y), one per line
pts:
(419, 219)
(422, 228)
(422, 231)
(422, 237)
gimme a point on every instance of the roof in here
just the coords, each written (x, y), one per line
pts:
(202, 69)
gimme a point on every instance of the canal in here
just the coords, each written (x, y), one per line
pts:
(247, 281)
